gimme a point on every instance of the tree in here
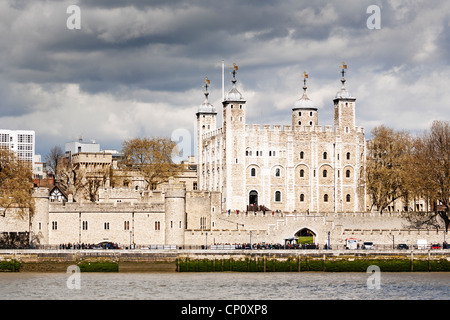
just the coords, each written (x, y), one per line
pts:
(389, 157)
(16, 185)
(432, 161)
(151, 157)
(54, 159)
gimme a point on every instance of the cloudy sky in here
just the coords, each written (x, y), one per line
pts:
(135, 68)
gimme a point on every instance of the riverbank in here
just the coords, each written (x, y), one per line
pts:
(224, 260)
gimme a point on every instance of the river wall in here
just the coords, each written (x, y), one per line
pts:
(223, 260)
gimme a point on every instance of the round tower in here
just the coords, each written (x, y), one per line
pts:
(175, 214)
(304, 113)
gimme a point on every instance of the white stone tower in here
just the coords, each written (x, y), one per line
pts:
(234, 156)
(206, 122)
(344, 107)
(304, 113)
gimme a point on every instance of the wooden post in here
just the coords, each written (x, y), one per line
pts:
(299, 261)
(323, 263)
(412, 261)
(264, 261)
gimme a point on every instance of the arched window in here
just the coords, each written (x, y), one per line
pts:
(253, 172)
(324, 173)
(348, 155)
(302, 197)
(302, 154)
(325, 198)
(302, 173)
(299, 123)
(277, 172)
(347, 173)
(324, 155)
(277, 196)
(347, 198)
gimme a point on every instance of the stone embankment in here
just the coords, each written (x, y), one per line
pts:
(224, 260)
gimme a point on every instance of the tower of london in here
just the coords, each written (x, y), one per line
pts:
(297, 167)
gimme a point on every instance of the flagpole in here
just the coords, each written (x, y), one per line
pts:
(223, 80)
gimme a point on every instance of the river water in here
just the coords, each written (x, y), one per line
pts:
(225, 286)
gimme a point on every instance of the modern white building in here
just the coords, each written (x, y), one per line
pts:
(22, 142)
(80, 146)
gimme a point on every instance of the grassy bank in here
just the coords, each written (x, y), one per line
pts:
(10, 266)
(305, 264)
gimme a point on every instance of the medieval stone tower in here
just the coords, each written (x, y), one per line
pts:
(233, 155)
(302, 167)
(206, 122)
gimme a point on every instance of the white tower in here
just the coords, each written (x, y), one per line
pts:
(344, 107)
(304, 113)
(206, 122)
(234, 155)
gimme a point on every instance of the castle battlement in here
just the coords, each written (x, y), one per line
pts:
(99, 207)
(213, 133)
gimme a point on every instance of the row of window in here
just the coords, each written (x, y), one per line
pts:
(248, 153)
(302, 197)
(302, 173)
(300, 113)
(126, 225)
(25, 138)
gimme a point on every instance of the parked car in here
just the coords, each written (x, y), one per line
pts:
(402, 246)
(368, 245)
(435, 246)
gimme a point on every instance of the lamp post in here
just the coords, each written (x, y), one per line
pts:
(206, 244)
(328, 241)
(130, 239)
(250, 239)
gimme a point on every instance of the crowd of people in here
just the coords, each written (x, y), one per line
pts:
(78, 246)
(269, 246)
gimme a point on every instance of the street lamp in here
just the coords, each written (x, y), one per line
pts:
(250, 239)
(328, 241)
(130, 239)
(206, 244)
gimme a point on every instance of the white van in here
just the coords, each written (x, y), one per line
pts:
(368, 245)
(422, 244)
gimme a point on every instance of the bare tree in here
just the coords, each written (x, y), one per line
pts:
(151, 157)
(54, 158)
(432, 161)
(388, 161)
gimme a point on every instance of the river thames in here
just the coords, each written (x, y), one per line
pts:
(225, 286)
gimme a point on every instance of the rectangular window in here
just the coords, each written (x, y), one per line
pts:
(84, 225)
(157, 225)
(126, 225)
(54, 225)
(106, 225)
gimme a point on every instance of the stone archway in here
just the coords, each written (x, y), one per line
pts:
(306, 233)
(253, 198)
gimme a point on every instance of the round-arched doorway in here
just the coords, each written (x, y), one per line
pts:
(253, 198)
(305, 235)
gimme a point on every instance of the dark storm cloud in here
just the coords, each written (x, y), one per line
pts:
(138, 65)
